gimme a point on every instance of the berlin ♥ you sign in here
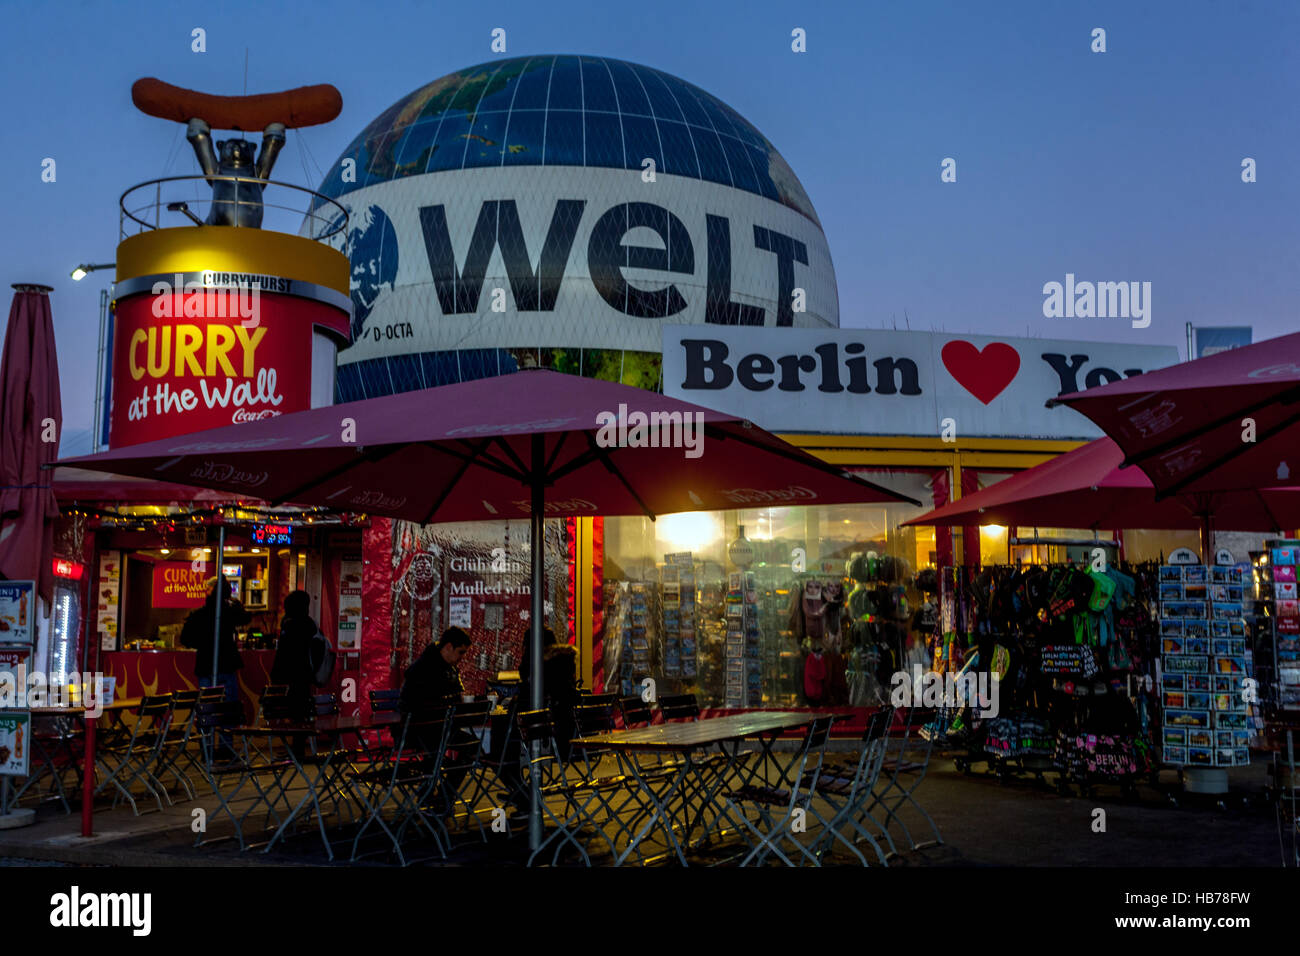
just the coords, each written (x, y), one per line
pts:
(846, 381)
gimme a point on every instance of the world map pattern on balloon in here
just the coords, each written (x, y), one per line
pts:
(567, 111)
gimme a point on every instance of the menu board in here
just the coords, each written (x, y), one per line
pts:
(17, 611)
(15, 743)
(106, 600)
(1204, 666)
(350, 602)
(13, 667)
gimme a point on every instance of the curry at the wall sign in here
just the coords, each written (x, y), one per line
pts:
(194, 360)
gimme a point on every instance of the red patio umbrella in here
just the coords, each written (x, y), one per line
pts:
(534, 443)
(1227, 421)
(1089, 488)
(30, 415)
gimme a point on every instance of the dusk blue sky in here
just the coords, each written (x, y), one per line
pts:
(1116, 166)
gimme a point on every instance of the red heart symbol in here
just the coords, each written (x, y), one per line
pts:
(985, 374)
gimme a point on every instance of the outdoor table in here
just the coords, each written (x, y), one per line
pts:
(685, 739)
(290, 732)
(115, 709)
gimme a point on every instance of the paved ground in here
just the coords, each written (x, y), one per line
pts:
(983, 822)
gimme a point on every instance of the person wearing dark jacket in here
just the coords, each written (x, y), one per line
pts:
(294, 664)
(559, 682)
(198, 633)
(433, 680)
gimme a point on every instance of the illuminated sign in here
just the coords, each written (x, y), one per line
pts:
(68, 569)
(178, 584)
(272, 534)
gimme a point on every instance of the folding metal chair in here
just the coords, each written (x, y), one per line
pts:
(548, 774)
(218, 762)
(506, 762)
(407, 780)
(133, 761)
(636, 712)
(463, 770)
(766, 834)
(846, 788)
(56, 741)
(176, 744)
(905, 776)
(591, 720)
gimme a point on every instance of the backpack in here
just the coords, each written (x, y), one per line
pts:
(322, 658)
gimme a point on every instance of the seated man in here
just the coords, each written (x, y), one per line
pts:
(433, 681)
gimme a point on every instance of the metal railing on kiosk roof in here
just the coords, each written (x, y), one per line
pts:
(189, 199)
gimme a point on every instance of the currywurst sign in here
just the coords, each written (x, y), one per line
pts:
(846, 381)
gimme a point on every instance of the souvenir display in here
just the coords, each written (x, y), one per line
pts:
(1204, 669)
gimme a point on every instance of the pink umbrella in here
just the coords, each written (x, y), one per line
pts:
(478, 450)
(1227, 421)
(1089, 488)
(534, 443)
(31, 418)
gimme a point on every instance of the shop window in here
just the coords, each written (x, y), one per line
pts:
(476, 576)
(729, 605)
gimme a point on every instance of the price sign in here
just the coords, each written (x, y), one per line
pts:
(272, 534)
(17, 611)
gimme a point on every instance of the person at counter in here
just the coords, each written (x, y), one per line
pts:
(198, 634)
(293, 664)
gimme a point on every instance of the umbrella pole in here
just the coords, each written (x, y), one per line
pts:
(1207, 537)
(536, 515)
(221, 600)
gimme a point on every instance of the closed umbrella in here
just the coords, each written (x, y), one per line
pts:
(31, 418)
(1224, 422)
(534, 443)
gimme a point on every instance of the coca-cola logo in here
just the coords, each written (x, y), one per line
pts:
(543, 424)
(747, 496)
(572, 504)
(244, 415)
(219, 473)
(376, 499)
